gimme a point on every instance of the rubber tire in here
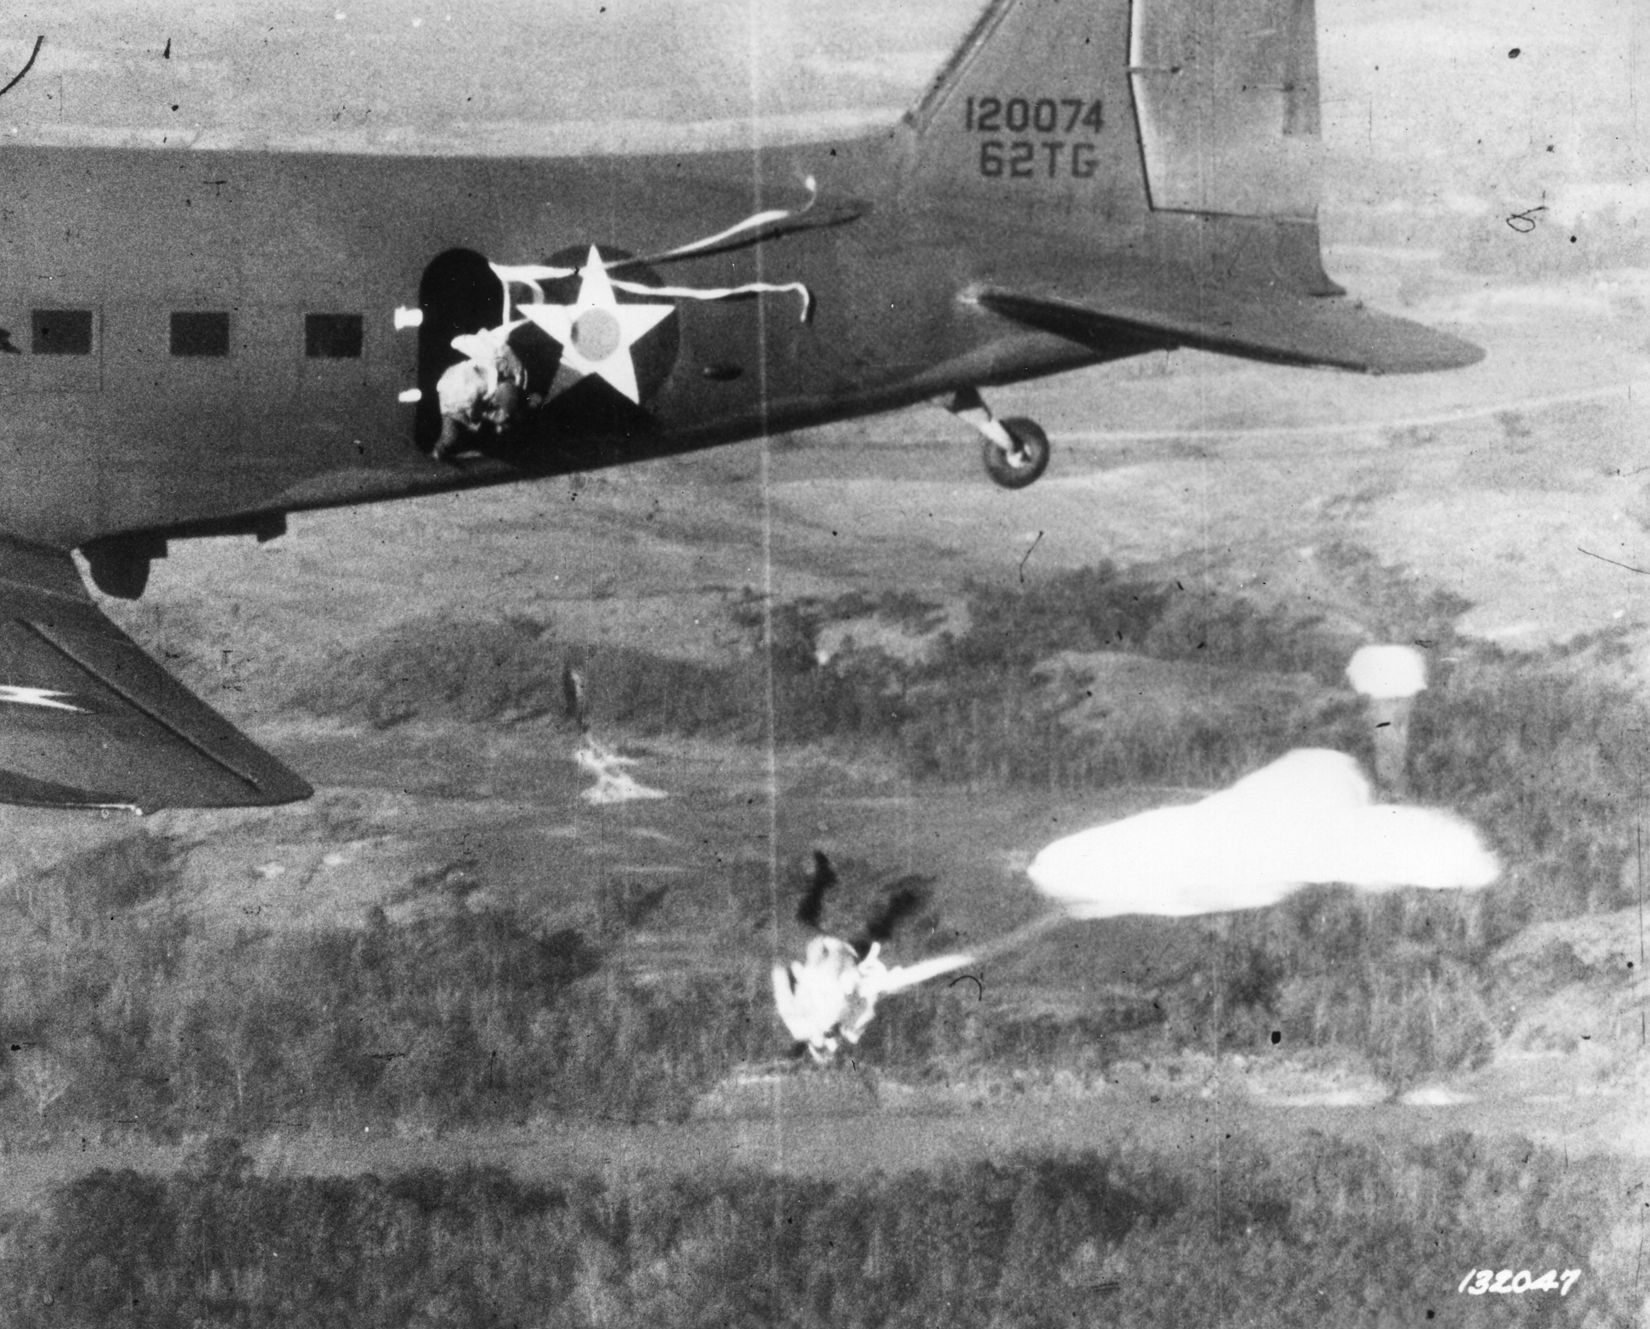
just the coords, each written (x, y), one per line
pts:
(1029, 437)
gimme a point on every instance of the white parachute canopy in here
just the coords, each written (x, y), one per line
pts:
(1308, 817)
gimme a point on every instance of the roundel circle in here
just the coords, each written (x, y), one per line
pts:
(597, 334)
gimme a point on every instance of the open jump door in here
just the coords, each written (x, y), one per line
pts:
(459, 293)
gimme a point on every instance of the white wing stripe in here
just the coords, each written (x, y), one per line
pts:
(19, 695)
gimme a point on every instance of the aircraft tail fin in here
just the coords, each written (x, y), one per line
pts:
(1174, 130)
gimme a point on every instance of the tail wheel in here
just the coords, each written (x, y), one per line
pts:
(1029, 458)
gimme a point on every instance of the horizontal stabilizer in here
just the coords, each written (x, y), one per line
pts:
(1169, 309)
(88, 720)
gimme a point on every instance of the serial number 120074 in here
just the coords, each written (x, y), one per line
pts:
(1075, 120)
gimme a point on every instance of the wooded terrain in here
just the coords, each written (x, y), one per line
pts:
(120, 1013)
(123, 1016)
(1334, 1234)
(145, 1025)
(1538, 748)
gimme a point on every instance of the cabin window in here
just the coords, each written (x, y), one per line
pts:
(61, 332)
(200, 332)
(332, 336)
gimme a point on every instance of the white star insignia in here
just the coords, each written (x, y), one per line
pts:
(596, 332)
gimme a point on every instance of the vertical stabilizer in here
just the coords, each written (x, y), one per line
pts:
(1186, 130)
(1032, 114)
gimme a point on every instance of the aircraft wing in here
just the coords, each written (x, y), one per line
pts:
(88, 720)
(1141, 303)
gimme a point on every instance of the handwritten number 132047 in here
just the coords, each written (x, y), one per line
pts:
(1479, 1281)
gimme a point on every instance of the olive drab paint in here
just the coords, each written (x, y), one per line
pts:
(199, 342)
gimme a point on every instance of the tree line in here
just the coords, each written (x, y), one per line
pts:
(1326, 1232)
(142, 1023)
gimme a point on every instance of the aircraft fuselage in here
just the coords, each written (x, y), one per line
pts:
(197, 343)
(113, 428)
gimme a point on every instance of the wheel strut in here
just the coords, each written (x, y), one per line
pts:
(1016, 450)
(968, 406)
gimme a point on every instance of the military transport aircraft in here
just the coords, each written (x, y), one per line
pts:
(198, 343)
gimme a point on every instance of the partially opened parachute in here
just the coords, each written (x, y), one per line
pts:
(1309, 817)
